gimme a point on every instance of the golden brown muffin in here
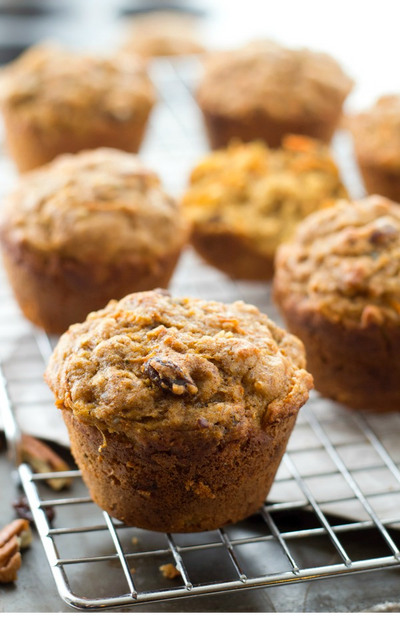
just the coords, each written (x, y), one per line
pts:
(85, 229)
(247, 199)
(163, 33)
(55, 101)
(265, 91)
(337, 284)
(178, 410)
(376, 134)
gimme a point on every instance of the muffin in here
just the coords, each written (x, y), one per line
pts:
(178, 410)
(265, 91)
(163, 33)
(337, 285)
(245, 200)
(85, 229)
(376, 134)
(54, 101)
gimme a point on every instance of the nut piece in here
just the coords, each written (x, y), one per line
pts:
(13, 537)
(23, 510)
(43, 459)
(169, 376)
(169, 571)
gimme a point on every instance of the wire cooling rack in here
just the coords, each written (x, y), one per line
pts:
(334, 508)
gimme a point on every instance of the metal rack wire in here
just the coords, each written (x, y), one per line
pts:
(338, 485)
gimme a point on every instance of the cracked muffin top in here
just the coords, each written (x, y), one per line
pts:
(100, 205)
(265, 76)
(376, 132)
(54, 88)
(152, 361)
(261, 194)
(345, 263)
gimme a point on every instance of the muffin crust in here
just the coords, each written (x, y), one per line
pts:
(54, 88)
(187, 398)
(101, 199)
(345, 262)
(57, 102)
(85, 229)
(264, 91)
(163, 33)
(337, 284)
(376, 134)
(246, 200)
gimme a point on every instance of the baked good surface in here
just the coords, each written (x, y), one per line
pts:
(337, 283)
(93, 223)
(163, 33)
(56, 101)
(376, 134)
(192, 403)
(270, 91)
(247, 199)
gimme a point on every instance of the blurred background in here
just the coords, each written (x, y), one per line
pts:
(361, 34)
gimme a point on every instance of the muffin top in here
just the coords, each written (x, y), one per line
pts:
(162, 33)
(261, 194)
(51, 87)
(96, 206)
(152, 361)
(344, 262)
(376, 133)
(284, 83)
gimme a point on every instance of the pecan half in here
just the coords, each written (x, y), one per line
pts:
(169, 376)
(13, 538)
(42, 459)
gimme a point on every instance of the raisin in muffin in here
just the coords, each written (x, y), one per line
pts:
(247, 199)
(178, 410)
(264, 91)
(337, 284)
(376, 134)
(85, 229)
(54, 101)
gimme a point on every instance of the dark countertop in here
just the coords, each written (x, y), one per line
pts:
(35, 590)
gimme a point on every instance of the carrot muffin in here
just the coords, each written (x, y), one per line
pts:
(55, 101)
(265, 91)
(337, 284)
(178, 410)
(245, 200)
(376, 134)
(163, 33)
(85, 229)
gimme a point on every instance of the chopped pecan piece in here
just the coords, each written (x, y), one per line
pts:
(383, 233)
(13, 538)
(23, 510)
(169, 571)
(169, 376)
(43, 459)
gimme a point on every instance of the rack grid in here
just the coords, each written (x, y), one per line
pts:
(338, 485)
